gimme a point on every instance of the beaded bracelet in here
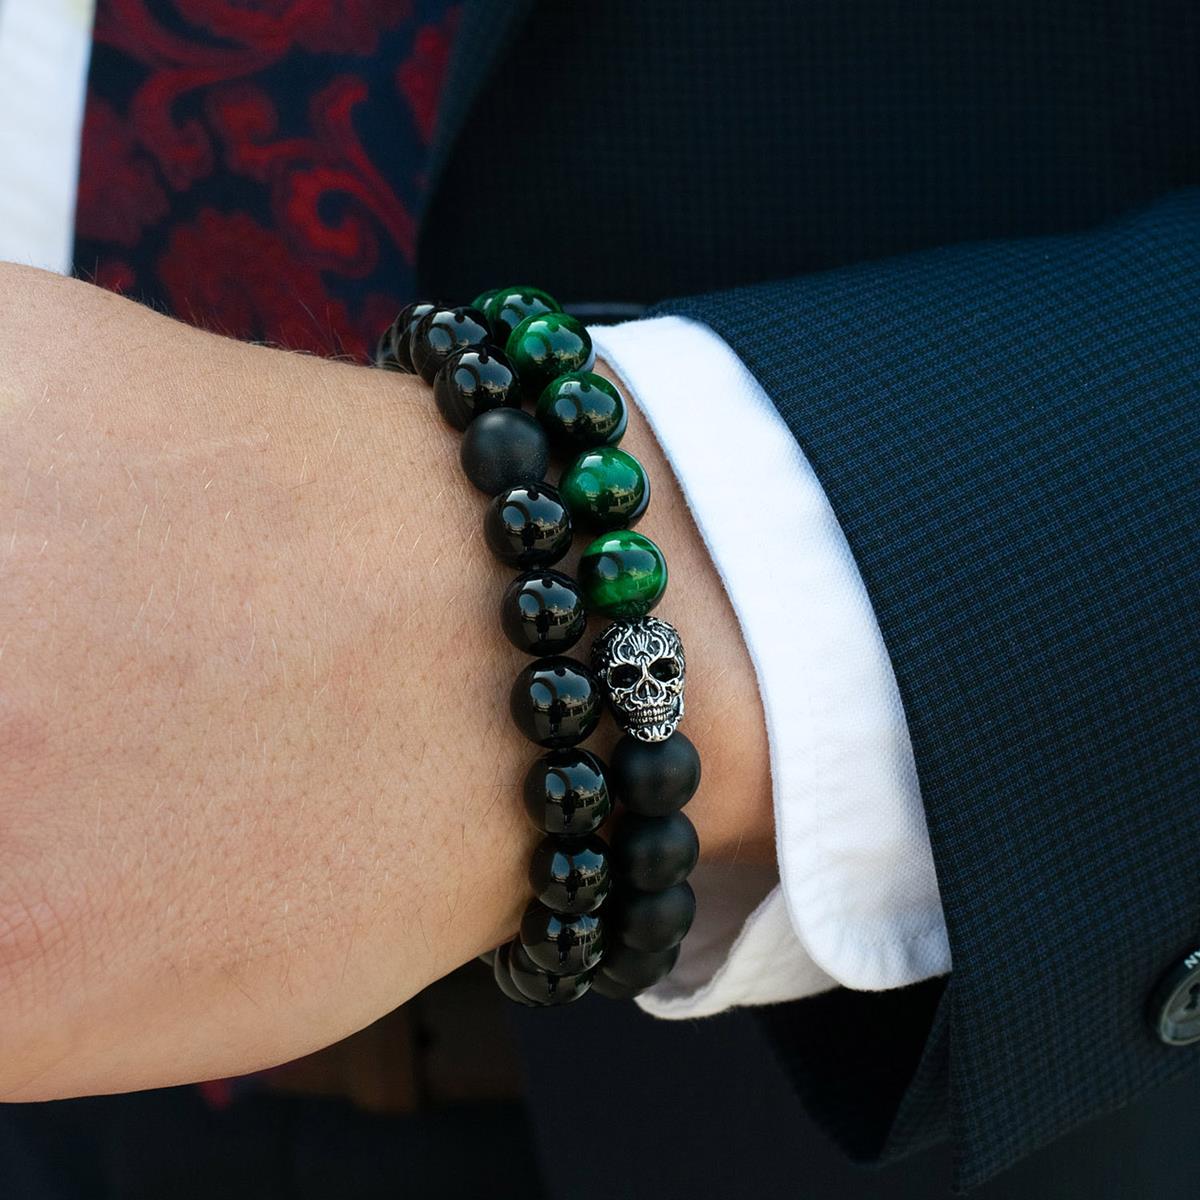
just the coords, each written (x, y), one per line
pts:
(606, 919)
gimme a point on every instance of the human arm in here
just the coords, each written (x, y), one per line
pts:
(258, 783)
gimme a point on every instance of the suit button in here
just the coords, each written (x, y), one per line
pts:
(1175, 1006)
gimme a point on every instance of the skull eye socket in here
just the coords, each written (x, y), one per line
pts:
(665, 669)
(625, 675)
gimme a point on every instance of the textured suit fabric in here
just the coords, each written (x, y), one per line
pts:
(1006, 429)
(1009, 434)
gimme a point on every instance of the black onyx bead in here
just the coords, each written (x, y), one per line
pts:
(528, 526)
(542, 987)
(638, 969)
(570, 875)
(652, 853)
(655, 778)
(612, 989)
(653, 920)
(395, 350)
(439, 333)
(507, 307)
(562, 943)
(475, 380)
(542, 612)
(581, 410)
(556, 701)
(502, 973)
(566, 793)
(503, 448)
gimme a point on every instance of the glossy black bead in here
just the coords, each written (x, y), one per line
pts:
(502, 973)
(653, 920)
(475, 380)
(528, 526)
(504, 448)
(566, 793)
(655, 778)
(556, 701)
(542, 612)
(638, 969)
(395, 349)
(571, 875)
(562, 943)
(652, 853)
(542, 987)
(439, 333)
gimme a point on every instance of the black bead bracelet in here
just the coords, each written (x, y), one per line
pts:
(606, 918)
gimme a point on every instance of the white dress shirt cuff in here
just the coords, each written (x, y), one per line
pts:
(856, 901)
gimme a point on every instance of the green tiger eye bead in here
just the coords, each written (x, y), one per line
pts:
(481, 301)
(548, 344)
(507, 307)
(622, 574)
(580, 410)
(605, 488)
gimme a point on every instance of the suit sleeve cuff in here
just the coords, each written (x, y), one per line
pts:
(856, 900)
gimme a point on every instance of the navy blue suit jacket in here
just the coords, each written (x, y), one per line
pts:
(956, 245)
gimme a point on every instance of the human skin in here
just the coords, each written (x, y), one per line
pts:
(258, 781)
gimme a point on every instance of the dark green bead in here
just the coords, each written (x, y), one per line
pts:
(580, 410)
(506, 307)
(546, 345)
(481, 301)
(605, 488)
(623, 574)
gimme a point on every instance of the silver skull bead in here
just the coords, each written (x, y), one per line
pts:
(640, 662)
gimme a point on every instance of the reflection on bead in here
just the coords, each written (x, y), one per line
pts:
(623, 574)
(605, 488)
(653, 920)
(394, 349)
(504, 448)
(542, 612)
(528, 526)
(638, 968)
(570, 875)
(566, 793)
(475, 380)
(540, 986)
(562, 943)
(556, 701)
(507, 307)
(439, 333)
(655, 778)
(547, 345)
(581, 410)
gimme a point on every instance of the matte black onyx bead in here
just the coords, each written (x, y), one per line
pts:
(653, 920)
(394, 349)
(566, 793)
(581, 410)
(542, 987)
(571, 875)
(655, 778)
(562, 943)
(651, 853)
(613, 989)
(502, 973)
(556, 701)
(439, 333)
(638, 969)
(475, 380)
(528, 526)
(507, 307)
(542, 612)
(503, 448)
